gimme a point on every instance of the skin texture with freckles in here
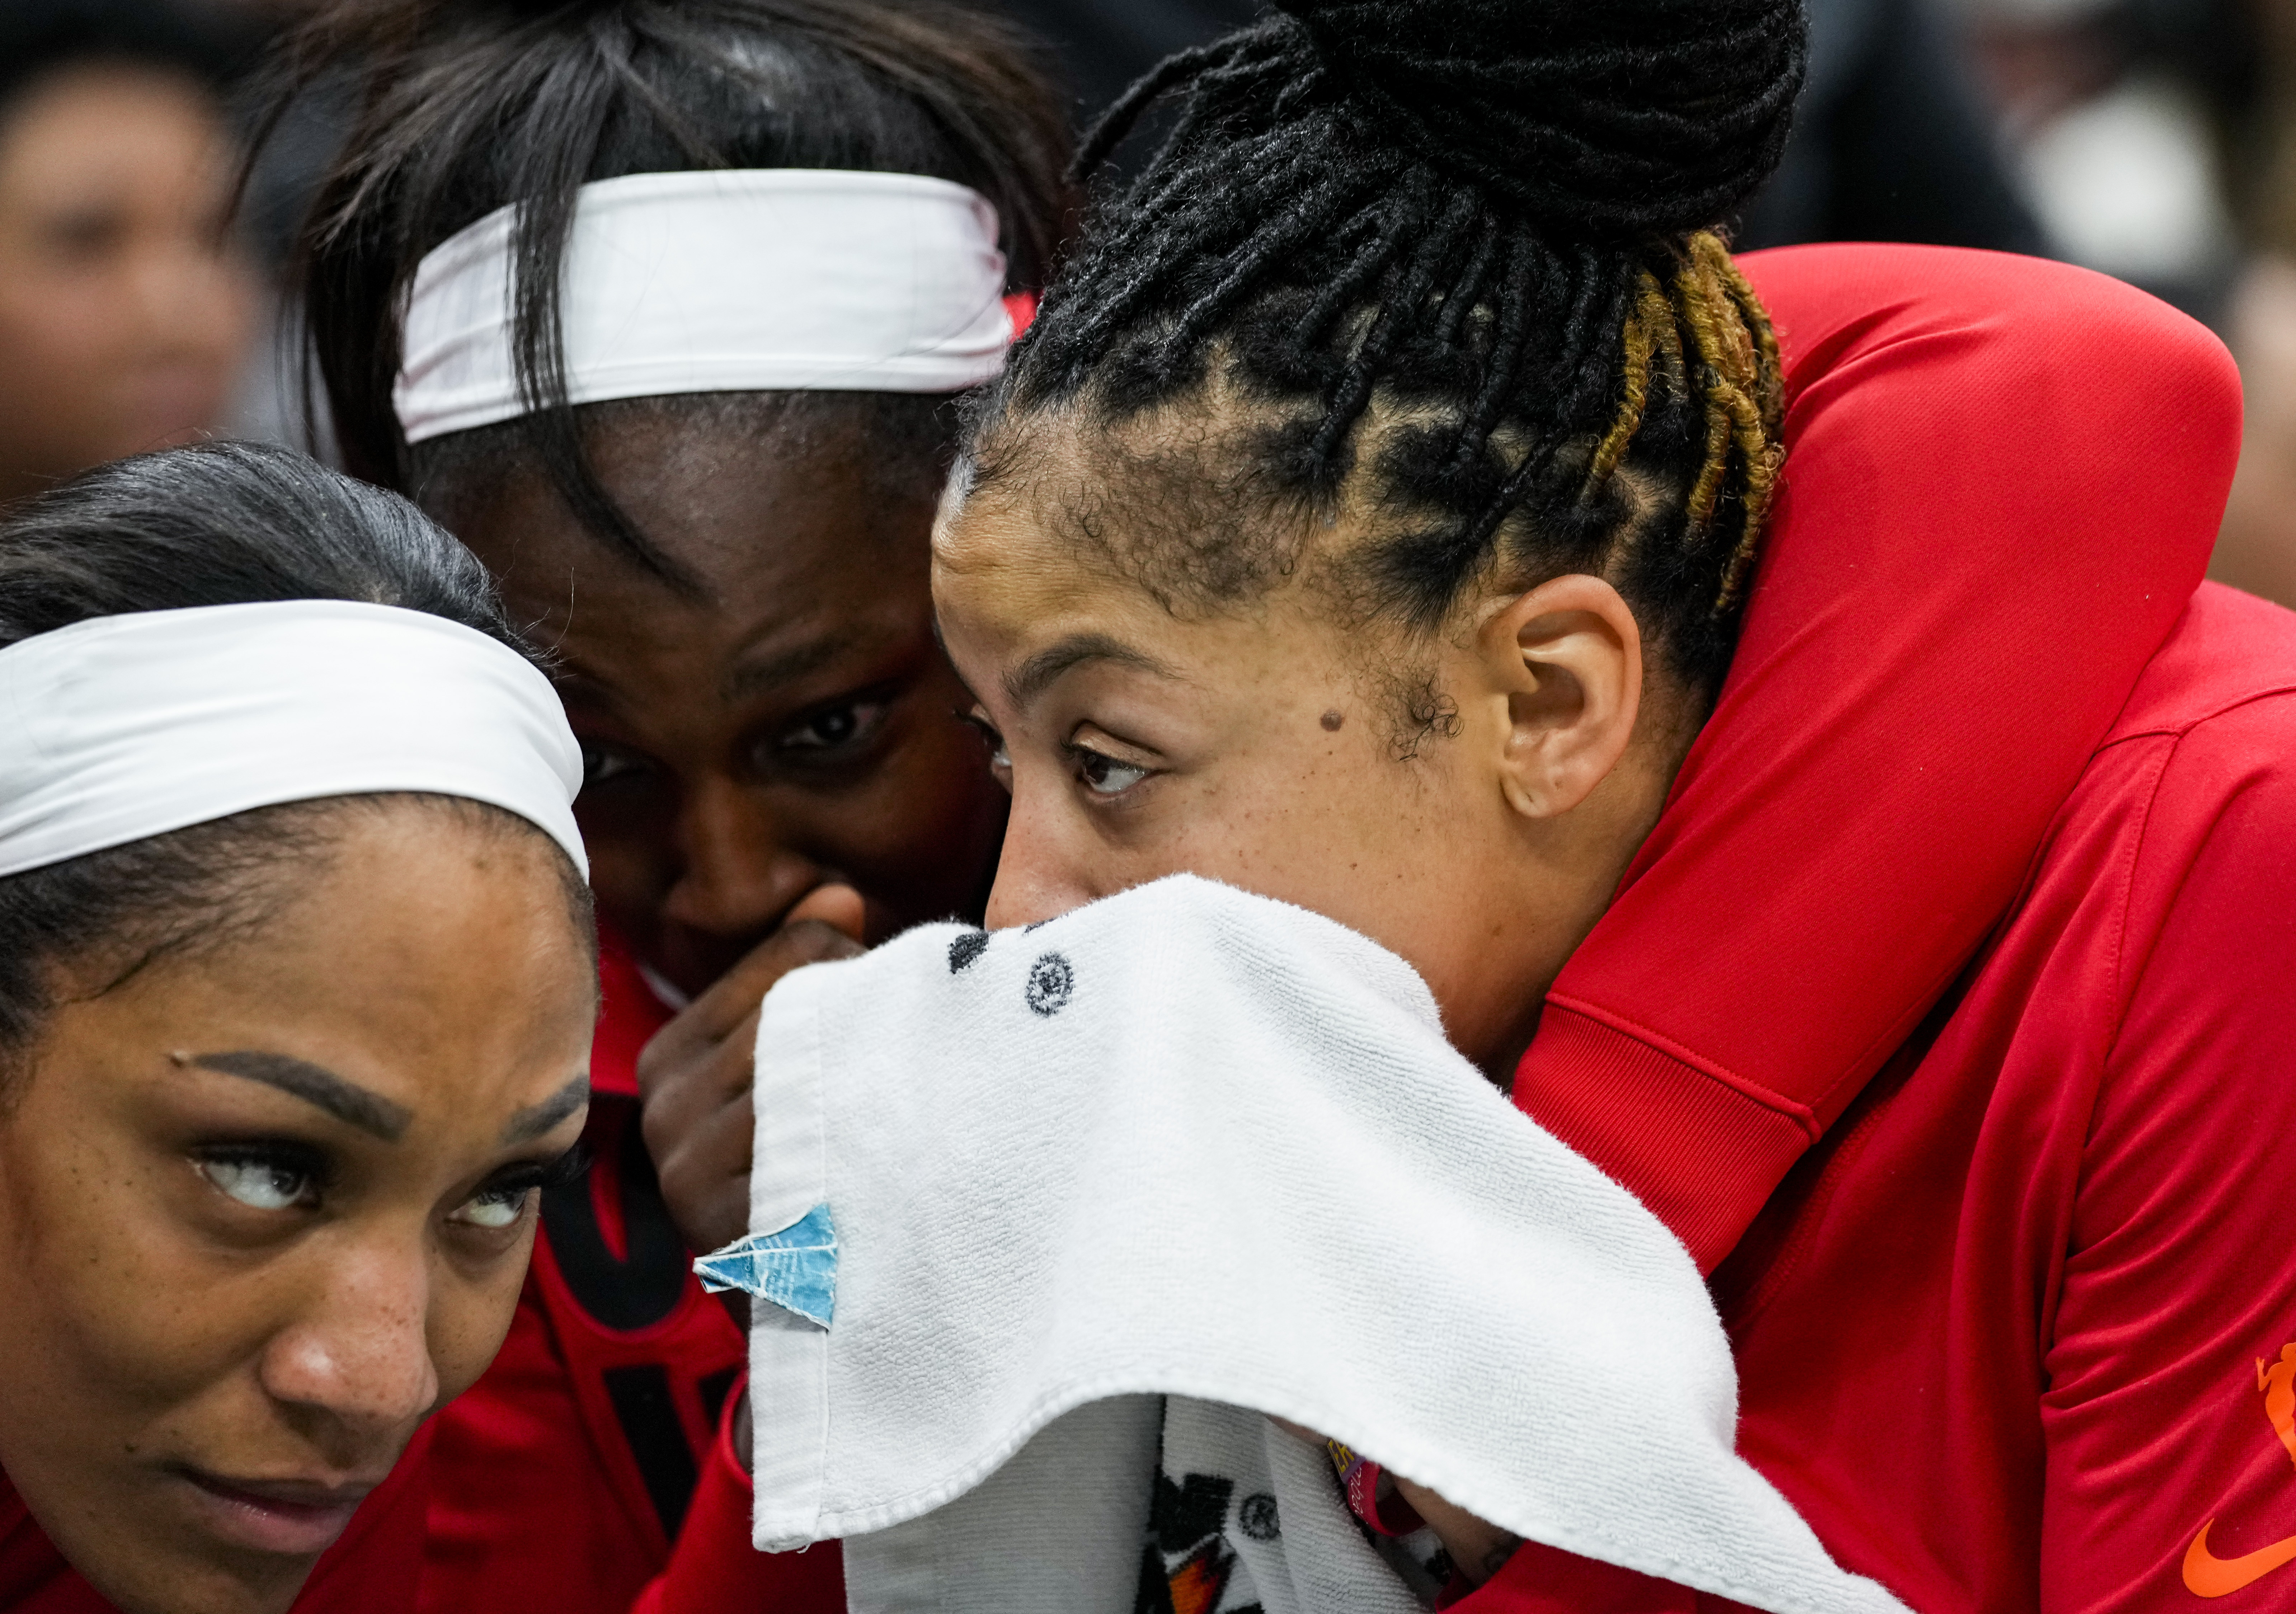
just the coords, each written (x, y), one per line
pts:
(792, 725)
(264, 1208)
(1483, 853)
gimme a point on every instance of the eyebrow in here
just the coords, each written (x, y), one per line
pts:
(1033, 676)
(347, 1101)
(535, 1119)
(769, 672)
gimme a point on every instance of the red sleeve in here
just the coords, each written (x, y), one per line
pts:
(715, 1570)
(2171, 1359)
(2003, 479)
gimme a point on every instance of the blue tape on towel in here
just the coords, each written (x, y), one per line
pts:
(795, 1268)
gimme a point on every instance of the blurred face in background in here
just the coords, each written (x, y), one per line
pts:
(126, 308)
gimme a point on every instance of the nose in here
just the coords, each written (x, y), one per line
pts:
(360, 1352)
(737, 877)
(1045, 868)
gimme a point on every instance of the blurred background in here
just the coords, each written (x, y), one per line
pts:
(2153, 140)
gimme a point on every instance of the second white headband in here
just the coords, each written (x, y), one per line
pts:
(721, 280)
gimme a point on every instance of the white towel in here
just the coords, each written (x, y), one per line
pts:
(1194, 1144)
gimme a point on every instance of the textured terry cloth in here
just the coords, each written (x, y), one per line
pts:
(1194, 1143)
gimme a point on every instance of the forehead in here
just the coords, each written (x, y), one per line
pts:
(431, 941)
(104, 121)
(1020, 603)
(768, 525)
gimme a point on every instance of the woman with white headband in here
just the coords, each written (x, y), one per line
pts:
(296, 995)
(661, 307)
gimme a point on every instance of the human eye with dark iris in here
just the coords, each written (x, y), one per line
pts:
(834, 728)
(272, 1176)
(503, 1199)
(1000, 760)
(1104, 776)
(603, 764)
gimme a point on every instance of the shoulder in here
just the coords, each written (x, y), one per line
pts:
(1834, 301)
(2229, 650)
(2200, 775)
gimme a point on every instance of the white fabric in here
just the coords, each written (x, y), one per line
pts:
(1191, 1143)
(721, 280)
(124, 727)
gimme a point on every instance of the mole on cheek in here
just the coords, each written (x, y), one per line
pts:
(1332, 721)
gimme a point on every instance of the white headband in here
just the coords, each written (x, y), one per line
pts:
(124, 727)
(721, 280)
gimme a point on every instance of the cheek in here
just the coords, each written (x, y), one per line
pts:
(114, 1320)
(1380, 845)
(471, 1315)
(64, 329)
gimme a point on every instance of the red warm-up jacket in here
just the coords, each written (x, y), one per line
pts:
(2019, 1333)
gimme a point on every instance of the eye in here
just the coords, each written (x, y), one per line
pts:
(263, 1179)
(500, 1202)
(82, 238)
(603, 764)
(495, 1207)
(1000, 760)
(1105, 775)
(834, 728)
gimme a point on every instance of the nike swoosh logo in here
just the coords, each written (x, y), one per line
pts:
(2208, 1576)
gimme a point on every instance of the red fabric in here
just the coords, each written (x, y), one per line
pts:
(370, 1569)
(2003, 480)
(2044, 1272)
(558, 1477)
(2020, 1331)
(715, 1569)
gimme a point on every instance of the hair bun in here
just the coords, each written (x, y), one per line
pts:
(1594, 117)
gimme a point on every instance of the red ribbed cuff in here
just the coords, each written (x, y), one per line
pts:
(1701, 1148)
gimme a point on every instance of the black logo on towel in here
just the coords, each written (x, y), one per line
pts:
(964, 949)
(1257, 1518)
(1050, 983)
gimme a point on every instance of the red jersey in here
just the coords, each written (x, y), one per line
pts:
(2002, 480)
(2021, 1334)
(372, 1568)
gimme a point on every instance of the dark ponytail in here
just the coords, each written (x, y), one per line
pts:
(218, 524)
(468, 106)
(1454, 263)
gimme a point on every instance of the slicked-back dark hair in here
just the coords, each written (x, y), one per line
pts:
(468, 106)
(216, 524)
(1452, 263)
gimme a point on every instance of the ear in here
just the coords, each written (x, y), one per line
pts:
(1567, 658)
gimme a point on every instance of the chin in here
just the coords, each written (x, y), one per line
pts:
(185, 1549)
(184, 1584)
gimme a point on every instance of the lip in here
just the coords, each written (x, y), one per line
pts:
(294, 1518)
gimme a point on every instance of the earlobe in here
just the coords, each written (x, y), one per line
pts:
(1566, 657)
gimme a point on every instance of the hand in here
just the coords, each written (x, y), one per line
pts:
(1477, 1550)
(694, 1077)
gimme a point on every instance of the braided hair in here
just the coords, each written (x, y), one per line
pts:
(462, 107)
(1451, 263)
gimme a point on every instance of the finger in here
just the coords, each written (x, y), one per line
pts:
(678, 1096)
(733, 997)
(836, 904)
